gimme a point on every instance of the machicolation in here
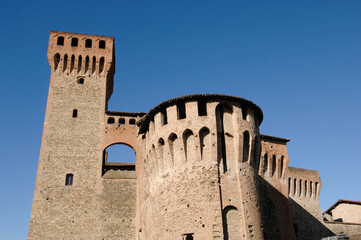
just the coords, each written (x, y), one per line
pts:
(202, 169)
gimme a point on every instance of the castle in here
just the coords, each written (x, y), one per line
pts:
(203, 171)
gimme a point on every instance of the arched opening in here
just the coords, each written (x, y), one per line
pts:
(245, 146)
(265, 163)
(69, 179)
(305, 188)
(274, 164)
(161, 155)
(102, 44)
(282, 165)
(65, 62)
(224, 135)
(75, 113)
(111, 120)
(101, 64)
(256, 150)
(72, 63)
(56, 61)
(74, 42)
(232, 225)
(88, 43)
(119, 157)
(94, 64)
(205, 143)
(172, 141)
(86, 64)
(300, 189)
(79, 63)
(189, 145)
(60, 41)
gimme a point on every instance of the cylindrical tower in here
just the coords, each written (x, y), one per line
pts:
(197, 169)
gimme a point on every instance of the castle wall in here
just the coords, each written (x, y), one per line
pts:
(190, 177)
(304, 188)
(276, 212)
(347, 212)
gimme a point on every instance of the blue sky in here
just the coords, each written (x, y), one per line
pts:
(299, 61)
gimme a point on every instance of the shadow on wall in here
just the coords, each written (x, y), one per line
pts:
(276, 214)
(308, 226)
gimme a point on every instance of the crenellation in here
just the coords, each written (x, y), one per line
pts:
(202, 169)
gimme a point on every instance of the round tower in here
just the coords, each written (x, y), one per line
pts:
(197, 169)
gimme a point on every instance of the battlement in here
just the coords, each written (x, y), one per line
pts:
(303, 183)
(72, 53)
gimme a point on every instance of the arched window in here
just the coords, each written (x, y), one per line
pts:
(94, 64)
(74, 42)
(205, 143)
(111, 120)
(274, 164)
(300, 189)
(189, 144)
(265, 163)
(56, 61)
(161, 155)
(172, 144)
(69, 179)
(282, 165)
(86, 64)
(245, 146)
(72, 63)
(121, 121)
(232, 225)
(60, 41)
(101, 64)
(80, 81)
(79, 63)
(88, 43)
(65, 62)
(102, 44)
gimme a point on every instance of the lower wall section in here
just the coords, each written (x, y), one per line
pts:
(351, 230)
(183, 202)
(117, 213)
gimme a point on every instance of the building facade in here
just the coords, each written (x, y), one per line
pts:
(202, 169)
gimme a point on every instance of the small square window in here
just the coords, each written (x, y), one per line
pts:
(132, 121)
(60, 41)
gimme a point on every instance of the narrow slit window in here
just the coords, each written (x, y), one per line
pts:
(80, 60)
(94, 62)
(132, 121)
(202, 108)
(60, 41)
(121, 121)
(88, 43)
(181, 110)
(102, 44)
(101, 64)
(274, 164)
(111, 120)
(56, 60)
(69, 179)
(164, 117)
(75, 113)
(74, 42)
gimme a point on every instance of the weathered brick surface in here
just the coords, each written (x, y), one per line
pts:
(202, 170)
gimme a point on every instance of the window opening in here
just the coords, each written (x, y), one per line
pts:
(119, 153)
(181, 110)
(131, 121)
(94, 64)
(265, 163)
(75, 113)
(274, 164)
(121, 121)
(300, 190)
(188, 236)
(294, 186)
(311, 188)
(289, 186)
(101, 64)
(60, 41)
(81, 81)
(69, 179)
(164, 117)
(282, 165)
(65, 62)
(244, 113)
(74, 42)
(305, 188)
(111, 120)
(102, 44)
(86, 64)
(202, 108)
(245, 146)
(88, 43)
(79, 63)
(56, 60)
(72, 63)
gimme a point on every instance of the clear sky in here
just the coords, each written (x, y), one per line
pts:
(300, 61)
